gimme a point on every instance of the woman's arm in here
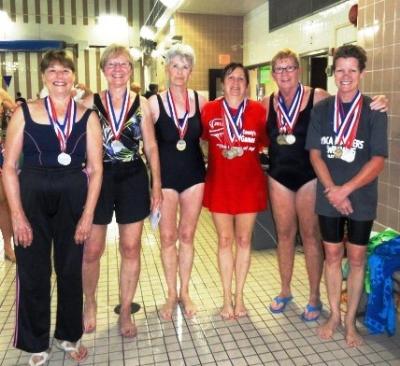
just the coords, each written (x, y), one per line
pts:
(13, 148)
(94, 167)
(151, 151)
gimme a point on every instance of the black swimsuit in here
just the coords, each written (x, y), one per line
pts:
(290, 164)
(179, 169)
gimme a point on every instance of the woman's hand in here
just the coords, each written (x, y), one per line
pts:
(345, 208)
(83, 228)
(22, 230)
(380, 103)
(336, 195)
(156, 199)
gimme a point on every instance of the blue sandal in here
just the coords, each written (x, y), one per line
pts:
(311, 309)
(282, 301)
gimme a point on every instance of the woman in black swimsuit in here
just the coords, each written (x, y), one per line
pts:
(176, 114)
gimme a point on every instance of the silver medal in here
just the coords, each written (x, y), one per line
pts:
(117, 146)
(290, 139)
(64, 159)
(181, 145)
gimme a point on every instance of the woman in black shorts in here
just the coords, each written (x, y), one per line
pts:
(126, 120)
(348, 145)
(176, 114)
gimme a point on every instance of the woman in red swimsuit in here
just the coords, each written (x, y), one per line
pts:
(235, 187)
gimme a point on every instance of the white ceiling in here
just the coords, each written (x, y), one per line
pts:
(221, 7)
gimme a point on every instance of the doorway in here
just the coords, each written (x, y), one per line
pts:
(214, 84)
(314, 67)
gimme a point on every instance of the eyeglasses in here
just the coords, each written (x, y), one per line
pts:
(280, 70)
(114, 65)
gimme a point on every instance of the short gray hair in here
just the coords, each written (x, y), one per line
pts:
(182, 50)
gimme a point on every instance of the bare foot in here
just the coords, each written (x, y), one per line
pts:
(126, 326)
(353, 338)
(240, 309)
(190, 308)
(9, 254)
(227, 311)
(326, 330)
(168, 308)
(89, 316)
(80, 354)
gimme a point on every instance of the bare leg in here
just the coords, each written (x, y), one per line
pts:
(6, 225)
(190, 207)
(224, 225)
(130, 235)
(284, 212)
(169, 254)
(355, 284)
(244, 224)
(333, 279)
(93, 250)
(308, 223)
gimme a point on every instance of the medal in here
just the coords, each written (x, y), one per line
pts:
(62, 131)
(181, 124)
(117, 146)
(64, 158)
(345, 125)
(348, 155)
(288, 115)
(233, 128)
(290, 139)
(229, 153)
(117, 123)
(281, 139)
(338, 152)
(181, 145)
(239, 151)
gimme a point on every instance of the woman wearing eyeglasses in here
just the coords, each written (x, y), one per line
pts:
(292, 180)
(126, 120)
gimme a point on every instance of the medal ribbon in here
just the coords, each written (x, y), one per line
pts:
(287, 117)
(62, 130)
(345, 125)
(181, 124)
(234, 123)
(117, 124)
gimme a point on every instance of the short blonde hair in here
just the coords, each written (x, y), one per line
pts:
(114, 50)
(285, 53)
(182, 50)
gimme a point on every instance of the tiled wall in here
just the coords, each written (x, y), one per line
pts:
(210, 36)
(379, 34)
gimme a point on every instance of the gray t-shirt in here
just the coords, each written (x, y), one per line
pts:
(371, 140)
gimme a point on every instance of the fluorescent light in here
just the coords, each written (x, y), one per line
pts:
(170, 3)
(147, 33)
(136, 53)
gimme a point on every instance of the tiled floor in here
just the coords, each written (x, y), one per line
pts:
(260, 339)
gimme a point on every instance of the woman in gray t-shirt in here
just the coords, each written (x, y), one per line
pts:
(348, 145)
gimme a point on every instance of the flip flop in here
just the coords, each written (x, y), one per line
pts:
(311, 309)
(71, 348)
(42, 358)
(283, 301)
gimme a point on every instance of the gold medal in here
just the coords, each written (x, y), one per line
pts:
(338, 152)
(281, 140)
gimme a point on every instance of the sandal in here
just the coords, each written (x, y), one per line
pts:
(281, 302)
(76, 351)
(41, 358)
(311, 309)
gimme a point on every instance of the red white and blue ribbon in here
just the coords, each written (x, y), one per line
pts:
(117, 123)
(287, 116)
(62, 130)
(234, 122)
(345, 125)
(180, 123)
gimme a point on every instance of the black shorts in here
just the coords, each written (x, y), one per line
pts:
(332, 230)
(125, 190)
